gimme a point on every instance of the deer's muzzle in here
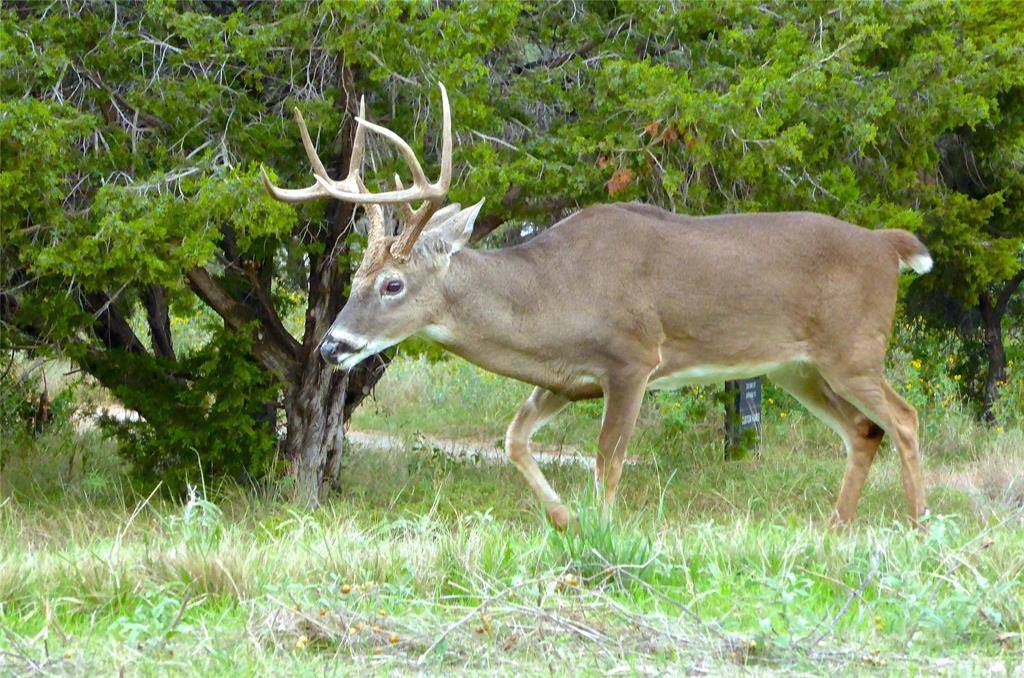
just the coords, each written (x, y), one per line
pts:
(335, 351)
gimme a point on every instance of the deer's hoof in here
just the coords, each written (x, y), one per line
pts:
(838, 523)
(920, 521)
(559, 517)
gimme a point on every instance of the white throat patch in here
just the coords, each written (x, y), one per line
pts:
(438, 333)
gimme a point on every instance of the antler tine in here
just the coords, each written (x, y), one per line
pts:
(411, 217)
(421, 189)
(374, 216)
(416, 221)
(307, 144)
(419, 179)
(317, 190)
(411, 232)
(292, 195)
(445, 179)
(407, 212)
(355, 161)
(296, 195)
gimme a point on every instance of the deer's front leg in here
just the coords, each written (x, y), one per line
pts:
(622, 399)
(538, 408)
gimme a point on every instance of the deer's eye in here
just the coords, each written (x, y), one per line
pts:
(391, 287)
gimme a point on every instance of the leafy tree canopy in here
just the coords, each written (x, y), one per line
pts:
(133, 134)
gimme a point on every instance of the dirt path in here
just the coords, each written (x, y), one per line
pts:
(88, 419)
(454, 448)
(998, 477)
(466, 448)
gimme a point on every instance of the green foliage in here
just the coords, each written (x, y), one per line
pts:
(133, 135)
(418, 346)
(599, 548)
(207, 425)
(18, 403)
(46, 444)
(680, 408)
(28, 411)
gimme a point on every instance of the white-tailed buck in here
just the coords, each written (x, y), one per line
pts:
(618, 299)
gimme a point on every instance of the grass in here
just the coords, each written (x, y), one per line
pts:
(427, 564)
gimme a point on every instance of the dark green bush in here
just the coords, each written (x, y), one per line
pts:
(212, 421)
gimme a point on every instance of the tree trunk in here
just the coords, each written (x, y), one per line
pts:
(992, 313)
(261, 275)
(315, 413)
(320, 399)
(992, 336)
(317, 410)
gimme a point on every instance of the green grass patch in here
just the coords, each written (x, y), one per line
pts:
(423, 563)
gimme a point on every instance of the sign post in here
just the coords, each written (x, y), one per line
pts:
(742, 417)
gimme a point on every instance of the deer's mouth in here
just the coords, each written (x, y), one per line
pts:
(346, 352)
(343, 353)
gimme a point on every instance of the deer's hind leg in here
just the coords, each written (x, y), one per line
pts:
(860, 434)
(538, 408)
(905, 432)
(877, 400)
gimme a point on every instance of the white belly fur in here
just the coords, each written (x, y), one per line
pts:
(711, 374)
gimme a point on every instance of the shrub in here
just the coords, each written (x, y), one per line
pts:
(212, 422)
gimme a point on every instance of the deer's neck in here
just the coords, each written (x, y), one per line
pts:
(490, 305)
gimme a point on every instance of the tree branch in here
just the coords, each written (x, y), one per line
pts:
(491, 222)
(1007, 292)
(362, 379)
(511, 201)
(259, 279)
(110, 326)
(112, 107)
(277, 355)
(560, 59)
(159, 318)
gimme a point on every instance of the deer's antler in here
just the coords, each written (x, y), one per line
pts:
(352, 182)
(351, 188)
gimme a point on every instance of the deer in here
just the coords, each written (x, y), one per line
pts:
(617, 300)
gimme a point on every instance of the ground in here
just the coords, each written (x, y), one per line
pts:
(430, 564)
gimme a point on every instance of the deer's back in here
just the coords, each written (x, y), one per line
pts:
(698, 281)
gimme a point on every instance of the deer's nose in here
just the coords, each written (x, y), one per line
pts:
(334, 351)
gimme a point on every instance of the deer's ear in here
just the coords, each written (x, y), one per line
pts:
(442, 215)
(457, 229)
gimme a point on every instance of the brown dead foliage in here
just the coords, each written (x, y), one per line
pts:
(620, 180)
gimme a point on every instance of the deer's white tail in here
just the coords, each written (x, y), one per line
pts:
(913, 254)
